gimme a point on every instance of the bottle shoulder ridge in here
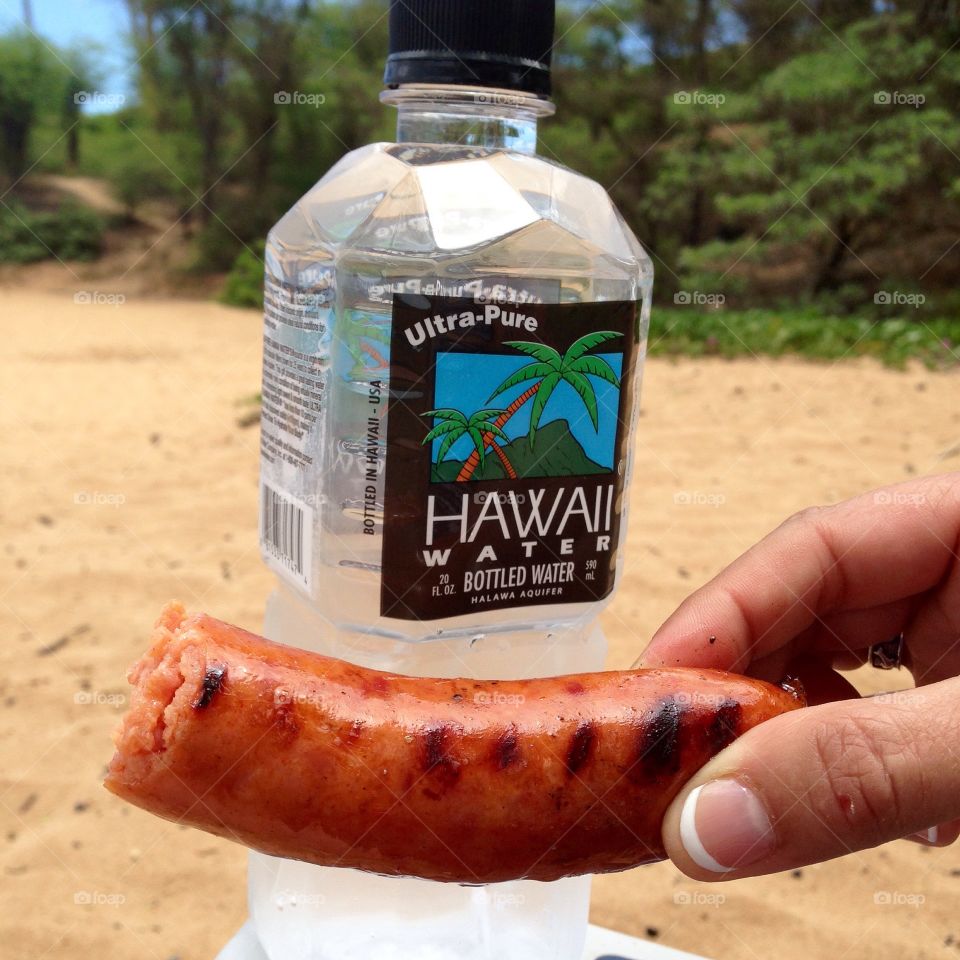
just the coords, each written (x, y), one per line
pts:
(590, 211)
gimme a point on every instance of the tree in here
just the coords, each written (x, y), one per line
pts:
(937, 17)
(481, 427)
(30, 79)
(268, 56)
(548, 370)
(185, 50)
(830, 159)
(79, 74)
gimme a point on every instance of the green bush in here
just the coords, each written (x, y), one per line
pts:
(69, 233)
(244, 285)
(805, 332)
(137, 181)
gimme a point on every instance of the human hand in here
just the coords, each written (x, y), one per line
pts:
(848, 772)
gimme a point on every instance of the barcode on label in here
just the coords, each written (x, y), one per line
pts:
(286, 533)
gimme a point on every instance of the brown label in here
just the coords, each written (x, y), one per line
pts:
(507, 436)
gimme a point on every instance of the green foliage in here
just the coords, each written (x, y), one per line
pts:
(838, 155)
(135, 183)
(31, 83)
(481, 426)
(140, 164)
(70, 233)
(806, 333)
(244, 284)
(549, 369)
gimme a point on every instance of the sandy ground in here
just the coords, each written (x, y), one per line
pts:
(128, 480)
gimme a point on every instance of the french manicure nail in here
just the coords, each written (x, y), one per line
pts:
(931, 836)
(724, 826)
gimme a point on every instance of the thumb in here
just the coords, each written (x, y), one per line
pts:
(822, 782)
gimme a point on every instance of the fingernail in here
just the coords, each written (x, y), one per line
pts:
(723, 827)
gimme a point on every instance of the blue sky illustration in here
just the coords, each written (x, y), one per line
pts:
(465, 381)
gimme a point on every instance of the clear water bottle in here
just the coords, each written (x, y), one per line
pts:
(454, 335)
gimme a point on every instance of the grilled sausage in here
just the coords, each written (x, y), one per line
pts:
(312, 758)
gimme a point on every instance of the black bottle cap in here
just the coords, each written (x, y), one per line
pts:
(483, 43)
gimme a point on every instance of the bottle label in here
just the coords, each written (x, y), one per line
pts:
(507, 434)
(296, 338)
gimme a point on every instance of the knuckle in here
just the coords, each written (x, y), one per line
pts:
(812, 527)
(808, 516)
(860, 793)
(943, 490)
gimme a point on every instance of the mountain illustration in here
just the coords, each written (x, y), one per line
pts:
(577, 370)
(557, 454)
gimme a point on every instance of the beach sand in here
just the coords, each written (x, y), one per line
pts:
(129, 480)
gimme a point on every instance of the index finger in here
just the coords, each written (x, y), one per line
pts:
(872, 551)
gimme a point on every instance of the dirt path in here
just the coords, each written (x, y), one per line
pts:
(128, 481)
(148, 255)
(90, 191)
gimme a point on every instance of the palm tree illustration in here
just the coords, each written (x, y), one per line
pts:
(548, 370)
(478, 427)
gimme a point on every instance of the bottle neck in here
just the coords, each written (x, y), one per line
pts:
(468, 116)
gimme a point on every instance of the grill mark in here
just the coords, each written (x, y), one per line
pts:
(211, 686)
(724, 726)
(506, 750)
(658, 749)
(438, 760)
(581, 746)
(434, 747)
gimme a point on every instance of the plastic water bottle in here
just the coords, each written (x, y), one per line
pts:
(453, 342)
